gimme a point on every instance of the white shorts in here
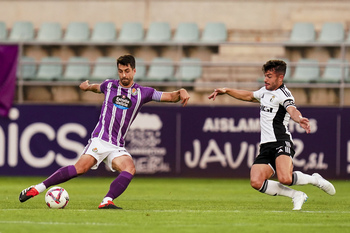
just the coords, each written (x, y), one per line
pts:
(104, 151)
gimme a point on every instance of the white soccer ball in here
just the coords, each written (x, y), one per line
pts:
(56, 198)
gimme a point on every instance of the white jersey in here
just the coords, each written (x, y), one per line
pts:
(274, 117)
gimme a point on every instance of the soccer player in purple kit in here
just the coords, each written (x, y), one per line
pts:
(123, 100)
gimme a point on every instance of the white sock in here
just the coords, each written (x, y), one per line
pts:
(300, 178)
(40, 187)
(106, 199)
(275, 188)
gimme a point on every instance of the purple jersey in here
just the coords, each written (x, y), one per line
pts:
(120, 108)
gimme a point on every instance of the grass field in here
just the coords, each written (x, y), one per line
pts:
(173, 205)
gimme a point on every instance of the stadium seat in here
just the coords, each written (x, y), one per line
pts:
(302, 32)
(158, 32)
(22, 31)
(103, 32)
(105, 68)
(76, 32)
(161, 69)
(332, 33)
(131, 32)
(50, 68)
(50, 31)
(214, 32)
(333, 71)
(26, 68)
(140, 70)
(3, 31)
(189, 70)
(306, 70)
(186, 32)
(78, 68)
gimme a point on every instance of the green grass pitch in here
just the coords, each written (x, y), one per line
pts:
(173, 205)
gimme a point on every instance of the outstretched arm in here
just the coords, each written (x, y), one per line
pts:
(85, 86)
(296, 116)
(237, 94)
(176, 96)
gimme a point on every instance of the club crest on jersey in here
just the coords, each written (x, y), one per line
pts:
(95, 150)
(272, 98)
(122, 102)
(134, 91)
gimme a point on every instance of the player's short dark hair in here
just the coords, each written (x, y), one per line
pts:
(278, 66)
(126, 60)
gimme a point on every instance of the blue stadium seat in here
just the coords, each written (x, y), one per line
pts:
(214, 32)
(104, 32)
(131, 32)
(161, 69)
(158, 32)
(306, 70)
(78, 68)
(26, 69)
(50, 31)
(303, 32)
(104, 68)
(332, 33)
(186, 32)
(3, 31)
(140, 70)
(189, 70)
(333, 71)
(50, 68)
(22, 31)
(77, 32)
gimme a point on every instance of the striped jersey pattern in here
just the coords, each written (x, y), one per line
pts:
(274, 117)
(120, 108)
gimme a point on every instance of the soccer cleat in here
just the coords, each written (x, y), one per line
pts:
(28, 193)
(108, 205)
(299, 199)
(324, 184)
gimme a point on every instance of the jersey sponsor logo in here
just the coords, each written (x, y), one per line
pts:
(122, 102)
(265, 108)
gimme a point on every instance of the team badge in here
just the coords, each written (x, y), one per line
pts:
(134, 91)
(95, 150)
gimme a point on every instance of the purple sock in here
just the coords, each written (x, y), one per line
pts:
(119, 185)
(61, 175)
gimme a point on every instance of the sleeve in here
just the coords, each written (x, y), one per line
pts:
(288, 100)
(157, 95)
(257, 94)
(103, 86)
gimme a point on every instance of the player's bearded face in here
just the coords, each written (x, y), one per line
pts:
(126, 75)
(272, 80)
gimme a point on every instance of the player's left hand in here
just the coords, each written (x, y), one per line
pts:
(184, 97)
(305, 124)
(218, 91)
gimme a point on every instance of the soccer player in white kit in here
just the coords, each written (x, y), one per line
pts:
(123, 100)
(276, 145)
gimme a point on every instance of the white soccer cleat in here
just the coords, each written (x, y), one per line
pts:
(324, 184)
(299, 199)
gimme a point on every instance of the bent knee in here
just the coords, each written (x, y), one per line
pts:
(256, 183)
(285, 180)
(131, 170)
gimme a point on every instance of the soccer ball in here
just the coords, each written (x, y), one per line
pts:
(56, 198)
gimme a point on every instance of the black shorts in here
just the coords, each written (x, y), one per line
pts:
(271, 150)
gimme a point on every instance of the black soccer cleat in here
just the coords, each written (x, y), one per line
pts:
(28, 193)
